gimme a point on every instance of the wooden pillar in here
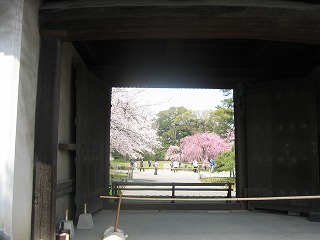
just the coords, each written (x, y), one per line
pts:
(241, 142)
(46, 140)
(108, 121)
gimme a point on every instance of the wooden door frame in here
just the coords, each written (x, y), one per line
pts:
(240, 143)
(46, 140)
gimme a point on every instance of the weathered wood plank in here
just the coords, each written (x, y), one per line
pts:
(283, 20)
(46, 139)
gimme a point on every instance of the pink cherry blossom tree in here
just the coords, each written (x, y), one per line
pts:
(131, 130)
(200, 147)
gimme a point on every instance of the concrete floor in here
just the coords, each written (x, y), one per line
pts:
(200, 225)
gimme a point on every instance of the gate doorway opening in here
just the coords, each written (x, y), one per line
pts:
(264, 86)
(172, 142)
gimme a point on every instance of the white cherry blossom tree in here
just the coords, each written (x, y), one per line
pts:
(131, 130)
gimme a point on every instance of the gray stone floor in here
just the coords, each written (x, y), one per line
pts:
(200, 225)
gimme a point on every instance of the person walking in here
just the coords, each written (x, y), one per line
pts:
(130, 171)
(156, 165)
(211, 162)
(175, 165)
(141, 165)
(132, 163)
(195, 166)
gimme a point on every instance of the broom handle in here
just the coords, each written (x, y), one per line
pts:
(118, 212)
(67, 214)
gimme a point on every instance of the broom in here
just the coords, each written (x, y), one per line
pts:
(68, 224)
(113, 233)
(118, 213)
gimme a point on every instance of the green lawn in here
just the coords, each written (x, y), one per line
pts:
(220, 179)
(114, 174)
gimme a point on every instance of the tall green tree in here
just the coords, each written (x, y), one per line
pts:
(174, 124)
(221, 120)
(226, 162)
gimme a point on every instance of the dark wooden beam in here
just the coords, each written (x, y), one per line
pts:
(187, 77)
(46, 140)
(239, 92)
(292, 21)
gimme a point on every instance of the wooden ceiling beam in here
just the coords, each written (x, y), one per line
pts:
(291, 21)
(187, 77)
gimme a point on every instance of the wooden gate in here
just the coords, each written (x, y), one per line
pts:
(91, 125)
(282, 146)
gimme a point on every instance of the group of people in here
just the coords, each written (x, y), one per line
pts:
(132, 167)
(174, 166)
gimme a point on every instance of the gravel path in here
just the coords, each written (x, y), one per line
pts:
(165, 176)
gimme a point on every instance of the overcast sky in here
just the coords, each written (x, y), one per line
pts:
(192, 99)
